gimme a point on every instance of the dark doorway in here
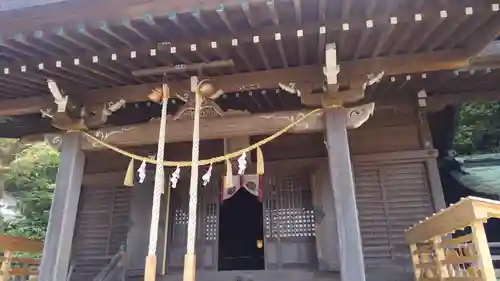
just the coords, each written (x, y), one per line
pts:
(240, 230)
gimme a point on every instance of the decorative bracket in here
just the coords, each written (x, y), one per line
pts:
(332, 69)
(70, 115)
(60, 99)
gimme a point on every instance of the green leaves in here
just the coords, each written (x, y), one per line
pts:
(478, 129)
(30, 178)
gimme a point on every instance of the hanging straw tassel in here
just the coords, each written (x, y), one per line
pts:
(260, 161)
(228, 182)
(129, 176)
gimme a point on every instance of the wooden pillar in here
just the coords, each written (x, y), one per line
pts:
(59, 237)
(431, 163)
(483, 251)
(435, 183)
(339, 159)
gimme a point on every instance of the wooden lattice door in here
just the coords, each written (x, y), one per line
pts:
(289, 219)
(206, 228)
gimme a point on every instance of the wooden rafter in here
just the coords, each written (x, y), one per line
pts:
(265, 33)
(369, 9)
(281, 49)
(261, 51)
(480, 39)
(12, 23)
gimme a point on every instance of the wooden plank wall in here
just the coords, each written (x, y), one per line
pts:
(390, 196)
(101, 228)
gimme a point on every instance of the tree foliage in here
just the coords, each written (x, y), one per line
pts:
(30, 178)
(478, 129)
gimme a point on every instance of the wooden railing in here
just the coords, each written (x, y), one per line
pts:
(12, 266)
(438, 253)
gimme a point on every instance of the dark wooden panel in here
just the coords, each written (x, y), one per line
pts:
(390, 198)
(140, 220)
(384, 139)
(293, 147)
(108, 160)
(101, 227)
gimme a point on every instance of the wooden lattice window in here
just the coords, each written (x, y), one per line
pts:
(210, 218)
(289, 211)
(180, 217)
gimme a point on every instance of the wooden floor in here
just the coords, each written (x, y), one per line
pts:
(281, 275)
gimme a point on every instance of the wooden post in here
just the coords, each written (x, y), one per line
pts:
(435, 183)
(431, 164)
(439, 257)
(59, 237)
(6, 263)
(350, 248)
(483, 251)
(415, 260)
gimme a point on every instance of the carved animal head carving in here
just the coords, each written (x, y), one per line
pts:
(357, 116)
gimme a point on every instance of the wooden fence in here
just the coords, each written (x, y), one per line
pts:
(13, 266)
(439, 253)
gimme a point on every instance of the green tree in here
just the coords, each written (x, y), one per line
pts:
(9, 148)
(478, 129)
(30, 178)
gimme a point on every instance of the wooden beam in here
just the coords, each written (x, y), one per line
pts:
(20, 244)
(438, 102)
(24, 106)
(402, 64)
(309, 75)
(210, 128)
(352, 73)
(303, 76)
(394, 157)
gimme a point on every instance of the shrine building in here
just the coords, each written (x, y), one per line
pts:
(319, 129)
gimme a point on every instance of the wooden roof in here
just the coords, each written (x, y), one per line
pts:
(368, 29)
(92, 49)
